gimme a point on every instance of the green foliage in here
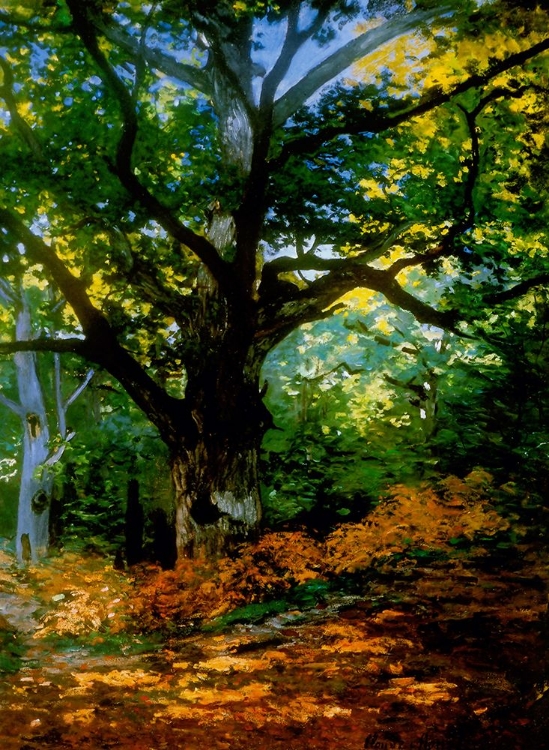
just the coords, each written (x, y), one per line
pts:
(251, 613)
(106, 453)
(349, 408)
(11, 649)
(345, 432)
(303, 597)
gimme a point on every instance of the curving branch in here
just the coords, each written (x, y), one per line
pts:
(378, 122)
(100, 344)
(344, 57)
(73, 288)
(315, 302)
(80, 388)
(293, 42)
(499, 298)
(466, 220)
(63, 405)
(196, 77)
(12, 405)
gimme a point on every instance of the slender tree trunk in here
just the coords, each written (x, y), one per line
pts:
(36, 481)
(134, 524)
(35, 493)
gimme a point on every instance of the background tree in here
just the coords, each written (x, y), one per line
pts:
(39, 453)
(198, 180)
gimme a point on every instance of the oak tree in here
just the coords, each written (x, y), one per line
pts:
(198, 179)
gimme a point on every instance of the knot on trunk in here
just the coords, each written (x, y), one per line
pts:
(39, 502)
(204, 511)
(33, 424)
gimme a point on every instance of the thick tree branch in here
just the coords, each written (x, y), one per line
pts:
(100, 344)
(498, 298)
(308, 261)
(378, 122)
(442, 250)
(292, 308)
(313, 303)
(196, 77)
(46, 344)
(344, 57)
(72, 287)
(293, 42)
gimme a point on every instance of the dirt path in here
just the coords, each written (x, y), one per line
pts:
(407, 665)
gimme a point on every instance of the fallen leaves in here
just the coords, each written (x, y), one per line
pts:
(383, 645)
(421, 693)
(430, 641)
(83, 594)
(81, 716)
(230, 663)
(202, 590)
(134, 679)
(412, 522)
(412, 519)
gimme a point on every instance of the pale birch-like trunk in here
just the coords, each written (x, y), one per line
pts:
(36, 480)
(36, 484)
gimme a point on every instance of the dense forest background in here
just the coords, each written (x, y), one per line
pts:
(361, 402)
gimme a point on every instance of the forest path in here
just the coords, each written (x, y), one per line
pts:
(413, 663)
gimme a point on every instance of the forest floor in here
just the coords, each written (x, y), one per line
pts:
(425, 625)
(408, 662)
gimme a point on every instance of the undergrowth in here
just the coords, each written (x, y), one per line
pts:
(83, 595)
(291, 569)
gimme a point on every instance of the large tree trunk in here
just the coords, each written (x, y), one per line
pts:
(215, 474)
(217, 499)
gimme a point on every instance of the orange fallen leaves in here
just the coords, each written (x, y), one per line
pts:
(118, 678)
(84, 594)
(228, 663)
(201, 590)
(252, 692)
(381, 645)
(420, 693)
(81, 716)
(253, 703)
